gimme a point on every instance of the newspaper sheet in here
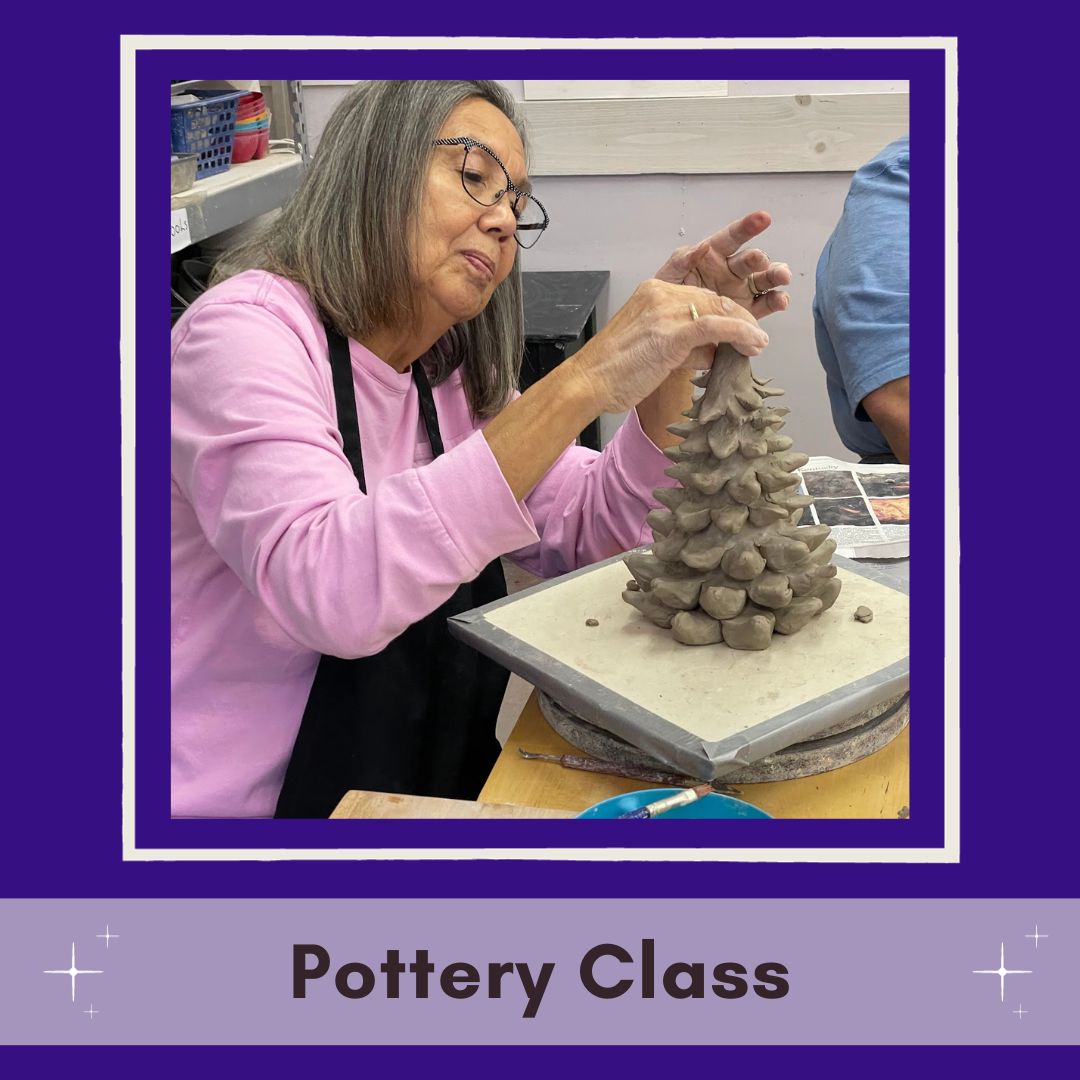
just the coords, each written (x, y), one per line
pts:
(866, 506)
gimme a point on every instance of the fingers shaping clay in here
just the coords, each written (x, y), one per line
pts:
(728, 563)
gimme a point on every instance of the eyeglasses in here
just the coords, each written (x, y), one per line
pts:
(485, 180)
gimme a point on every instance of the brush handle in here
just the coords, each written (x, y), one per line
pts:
(662, 806)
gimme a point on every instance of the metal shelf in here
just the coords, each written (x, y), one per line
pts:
(243, 192)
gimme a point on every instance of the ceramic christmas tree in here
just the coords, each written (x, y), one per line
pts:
(728, 562)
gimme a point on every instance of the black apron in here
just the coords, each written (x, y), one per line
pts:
(417, 718)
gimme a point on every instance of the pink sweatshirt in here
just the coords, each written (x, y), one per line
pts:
(277, 556)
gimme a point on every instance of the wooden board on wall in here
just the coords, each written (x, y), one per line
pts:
(592, 89)
(774, 134)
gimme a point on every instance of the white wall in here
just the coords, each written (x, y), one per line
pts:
(629, 224)
(319, 102)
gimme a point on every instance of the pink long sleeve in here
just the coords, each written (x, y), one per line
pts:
(257, 456)
(591, 506)
(279, 557)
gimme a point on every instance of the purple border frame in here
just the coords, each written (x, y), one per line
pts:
(60, 800)
(925, 828)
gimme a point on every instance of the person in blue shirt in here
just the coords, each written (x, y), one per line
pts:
(861, 310)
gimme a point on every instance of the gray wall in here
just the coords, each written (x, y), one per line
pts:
(628, 225)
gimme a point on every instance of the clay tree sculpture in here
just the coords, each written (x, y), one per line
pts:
(728, 562)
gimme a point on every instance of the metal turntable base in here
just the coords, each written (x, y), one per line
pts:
(849, 741)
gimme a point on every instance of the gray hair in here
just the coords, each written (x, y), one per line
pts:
(358, 199)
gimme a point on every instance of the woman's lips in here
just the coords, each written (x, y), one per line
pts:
(480, 264)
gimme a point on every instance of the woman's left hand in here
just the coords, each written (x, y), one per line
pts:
(719, 263)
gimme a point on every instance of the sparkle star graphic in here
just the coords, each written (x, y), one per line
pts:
(108, 937)
(91, 1012)
(1037, 935)
(1021, 1012)
(1001, 971)
(72, 971)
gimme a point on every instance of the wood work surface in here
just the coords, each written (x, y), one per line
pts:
(875, 787)
(380, 804)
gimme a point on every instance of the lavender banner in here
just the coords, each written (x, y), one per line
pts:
(531, 971)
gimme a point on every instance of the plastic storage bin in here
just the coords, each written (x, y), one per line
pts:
(205, 127)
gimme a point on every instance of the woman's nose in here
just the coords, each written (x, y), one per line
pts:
(500, 217)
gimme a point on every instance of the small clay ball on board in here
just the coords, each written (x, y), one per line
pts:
(592, 622)
(863, 614)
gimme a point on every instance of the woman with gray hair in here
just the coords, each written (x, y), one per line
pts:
(350, 456)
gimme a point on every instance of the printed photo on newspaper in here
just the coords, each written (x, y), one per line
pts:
(867, 506)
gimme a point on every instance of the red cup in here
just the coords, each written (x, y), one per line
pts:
(249, 105)
(245, 146)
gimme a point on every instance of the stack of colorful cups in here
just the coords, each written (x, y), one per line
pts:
(252, 136)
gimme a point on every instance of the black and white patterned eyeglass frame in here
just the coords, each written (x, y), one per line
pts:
(467, 143)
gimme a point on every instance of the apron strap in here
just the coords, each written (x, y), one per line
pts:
(345, 399)
(427, 408)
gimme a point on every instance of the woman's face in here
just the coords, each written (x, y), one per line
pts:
(464, 250)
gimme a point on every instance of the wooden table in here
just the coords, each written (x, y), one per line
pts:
(386, 805)
(875, 787)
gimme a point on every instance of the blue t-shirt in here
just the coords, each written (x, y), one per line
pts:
(861, 299)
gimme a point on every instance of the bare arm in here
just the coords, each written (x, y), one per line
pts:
(665, 405)
(646, 354)
(888, 407)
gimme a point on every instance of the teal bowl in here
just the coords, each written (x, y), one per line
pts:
(711, 806)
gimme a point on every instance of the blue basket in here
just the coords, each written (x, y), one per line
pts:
(206, 127)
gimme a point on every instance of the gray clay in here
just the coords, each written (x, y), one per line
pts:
(728, 562)
(721, 602)
(592, 622)
(751, 629)
(797, 614)
(863, 614)
(695, 628)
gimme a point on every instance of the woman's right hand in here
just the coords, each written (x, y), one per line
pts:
(654, 334)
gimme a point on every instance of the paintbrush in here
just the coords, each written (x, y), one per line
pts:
(662, 806)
